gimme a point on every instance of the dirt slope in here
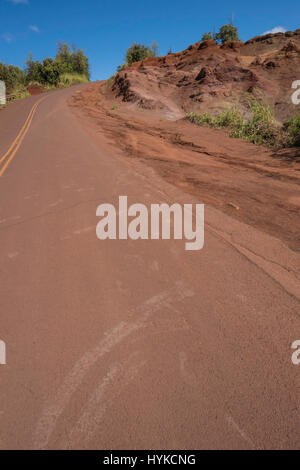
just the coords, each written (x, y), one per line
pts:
(251, 183)
(209, 77)
(141, 112)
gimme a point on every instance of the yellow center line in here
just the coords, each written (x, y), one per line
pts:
(19, 139)
(19, 135)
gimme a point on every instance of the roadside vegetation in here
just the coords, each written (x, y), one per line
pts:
(69, 79)
(227, 32)
(15, 80)
(292, 128)
(261, 128)
(137, 52)
(70, 66)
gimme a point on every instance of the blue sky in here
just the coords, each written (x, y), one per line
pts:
(105, 28)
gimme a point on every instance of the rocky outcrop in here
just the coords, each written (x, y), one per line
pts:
(207, 77)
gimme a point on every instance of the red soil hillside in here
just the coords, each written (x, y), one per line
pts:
(207, 77)
(140, 115)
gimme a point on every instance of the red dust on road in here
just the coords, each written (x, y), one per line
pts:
(121, 344)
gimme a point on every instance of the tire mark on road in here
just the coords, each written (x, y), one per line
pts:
(101, 399)
(47, 423)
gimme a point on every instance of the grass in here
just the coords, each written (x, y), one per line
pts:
(66, 80)
(69, 79)
(203, 119)
(231, 118)
(19, 93)
(261, 128)
(292, 128)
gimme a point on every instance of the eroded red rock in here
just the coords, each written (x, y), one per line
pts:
(207, 77)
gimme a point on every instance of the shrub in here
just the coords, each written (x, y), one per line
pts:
(33, 70)
(206, 37)
(72, 62)
(292, 128)
(230, 118)
(19, 92)
(260, 133)
(66, 65)
(12, 76)
(50, 72)
(260, 109)
(227, 32)
(138, 52)
(202, 119)
(261, 128)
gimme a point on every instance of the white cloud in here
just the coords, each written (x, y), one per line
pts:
(7, 37)
(276, 29)
(34, 28)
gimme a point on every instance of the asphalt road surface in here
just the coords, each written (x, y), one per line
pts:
(132, 344)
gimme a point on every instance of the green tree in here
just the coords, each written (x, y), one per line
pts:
(206, 37)
(227, 32)
(63, 52)
(47, 72)
(33, 70)
(138, 52)
(80, 63)
(12, 76)
(72, 62)
(51, 71)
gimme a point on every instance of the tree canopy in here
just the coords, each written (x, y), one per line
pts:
(138, 52)
(227, 32)
(49, 70)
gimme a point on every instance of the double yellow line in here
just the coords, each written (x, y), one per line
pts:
(11, 152)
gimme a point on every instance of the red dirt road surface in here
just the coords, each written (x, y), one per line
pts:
(141, 344)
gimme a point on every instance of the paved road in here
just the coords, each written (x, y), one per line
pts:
(132, 344)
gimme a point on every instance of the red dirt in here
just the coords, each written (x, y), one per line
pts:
(35, 89)
(208, 77)
(254, 184)
(125, 344)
